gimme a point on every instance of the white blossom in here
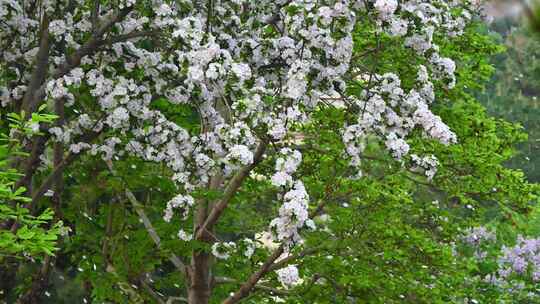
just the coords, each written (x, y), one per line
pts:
(57, 27)
(386, 8)
(180, 201)
(241, 70)
(223, 251)
(281, 179)
(242, 154)
(289, 276)
(184, 236)
(249, 247)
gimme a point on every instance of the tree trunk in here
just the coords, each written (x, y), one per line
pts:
(200, 289)
(41, 279)
(8, 271)
(39, 284)
(200, 276)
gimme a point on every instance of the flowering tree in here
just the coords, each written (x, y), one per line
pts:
(261, 114)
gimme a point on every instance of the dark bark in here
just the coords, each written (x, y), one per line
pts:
(34, 95)
(58, 159)
(200, 276)
(7, 277)
(41, 279)
(40, 72)
(40, 283)
(200, 288)
(8, 269)
(36, 148)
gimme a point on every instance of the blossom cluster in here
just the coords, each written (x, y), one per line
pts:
(289, 276)
(475, 236)
(479, 239)
(521, 259)
(285, 166)
(293, 214)
(391, 111)
(183, 202)
(224, 250)
(517, 266)
(427, 163)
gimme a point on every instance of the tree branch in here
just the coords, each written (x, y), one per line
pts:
(151, 231)
(269, 265)
(151, 291)
(46, 185)
(229, 193)
(88, 48)
(131, 35)
(225, 280)
(32, 162)
(283, 262)
(36, 90)
(175, 260)
(95, 15)
(246, 288)
(38, 76)
(171, 300)
(92, 44)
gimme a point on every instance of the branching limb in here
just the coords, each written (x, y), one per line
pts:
(49, 181)
(40, 71)
(151, 291)
(284, 262)
(95, 15)
(172, 300)
(175, 260)
(229, 193)
(269, 265)
(250, 284)
(270, 289)
(74, 60)
(131, 35)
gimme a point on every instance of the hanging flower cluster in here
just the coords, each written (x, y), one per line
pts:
(289, 276)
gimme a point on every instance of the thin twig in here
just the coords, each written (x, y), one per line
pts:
(148, 224)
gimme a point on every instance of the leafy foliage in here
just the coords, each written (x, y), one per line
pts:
(36, 235)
